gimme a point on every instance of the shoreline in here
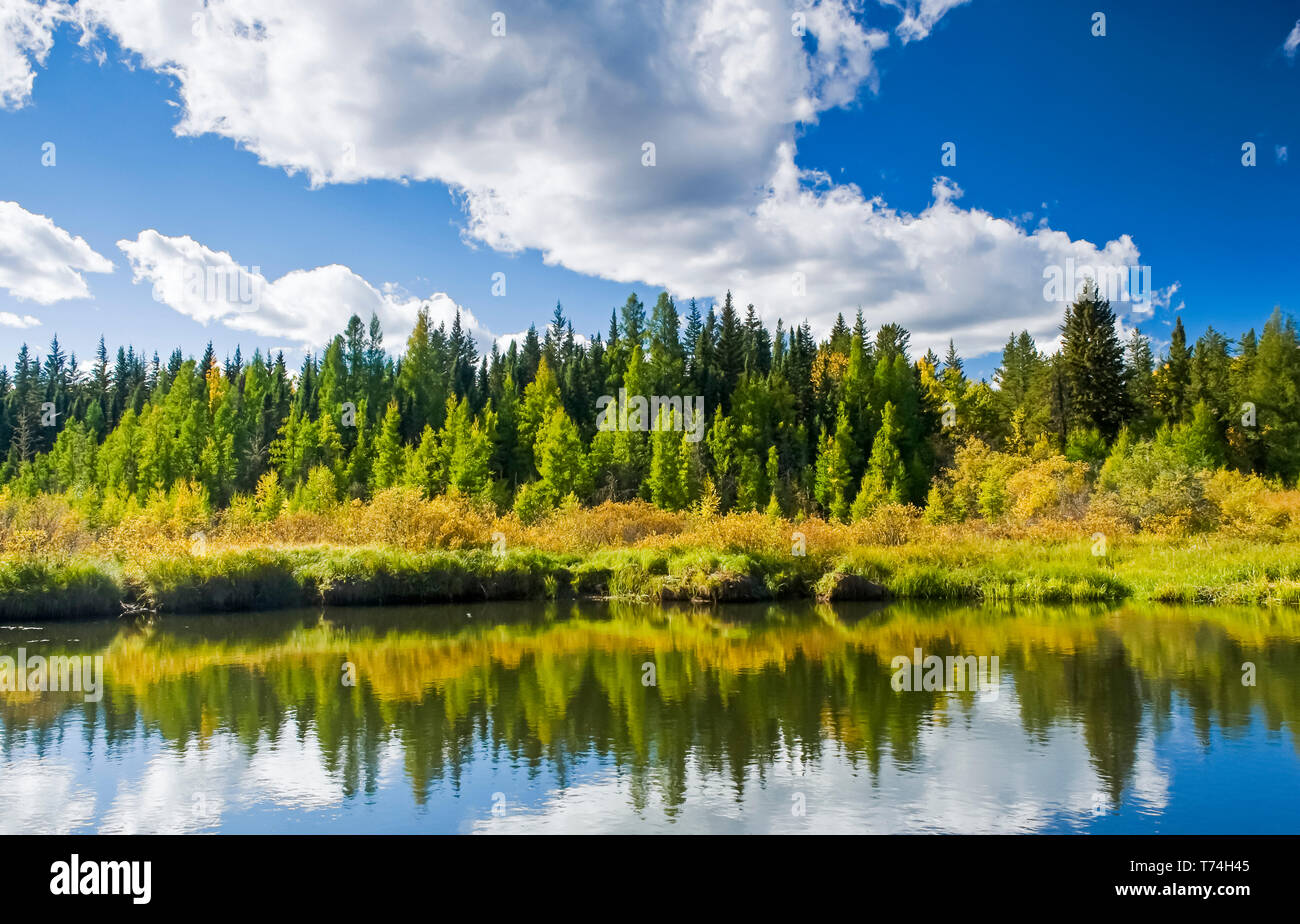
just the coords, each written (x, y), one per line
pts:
(1002, 571)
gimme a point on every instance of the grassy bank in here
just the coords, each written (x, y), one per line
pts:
(975, 569)
(33, 588)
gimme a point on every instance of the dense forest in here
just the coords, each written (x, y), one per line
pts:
(792, 425)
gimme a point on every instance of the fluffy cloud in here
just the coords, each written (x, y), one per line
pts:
(543, 132)
(305, 306)
(1292, 42)
(41, 262)
(22, 322)
(26, 34)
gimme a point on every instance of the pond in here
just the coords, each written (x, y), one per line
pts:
(588, 717)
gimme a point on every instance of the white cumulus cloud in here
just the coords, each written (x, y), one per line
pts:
(41, 262)
(23, 321)
(26, 35)
(544, 132)
(304, 306)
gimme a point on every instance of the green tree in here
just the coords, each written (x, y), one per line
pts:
(387, 468)
(1274, 390)
(1174, 377)
(885, 480)
(665, 481)
(559, 454)
(1093, 359)
(833, 473)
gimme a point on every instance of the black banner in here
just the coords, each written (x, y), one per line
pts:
(336, 874)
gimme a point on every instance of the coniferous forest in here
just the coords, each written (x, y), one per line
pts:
(843, 468)
(793, 426)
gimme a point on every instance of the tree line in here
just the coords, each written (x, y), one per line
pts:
(793, 424)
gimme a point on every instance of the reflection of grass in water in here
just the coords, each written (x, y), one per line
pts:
(735, 687)
(711, 641)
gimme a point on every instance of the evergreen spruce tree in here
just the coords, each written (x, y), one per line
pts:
(1174, 377)
(1093, 363)
(1140, 364)
(885, 480)
(833, 471)
(387, 468)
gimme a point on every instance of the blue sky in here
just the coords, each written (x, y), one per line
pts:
(412, 127)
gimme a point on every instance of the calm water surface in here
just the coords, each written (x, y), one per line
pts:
(629, 718)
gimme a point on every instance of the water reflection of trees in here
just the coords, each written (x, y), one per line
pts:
(736, 692)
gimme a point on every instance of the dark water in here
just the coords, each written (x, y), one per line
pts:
(589, 718)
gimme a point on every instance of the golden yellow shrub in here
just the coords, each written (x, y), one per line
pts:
(889, 524)
(575, 529)
(1246, 504)
(401, 516)
(1050, 487)
(45, 524)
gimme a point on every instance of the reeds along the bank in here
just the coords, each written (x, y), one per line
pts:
(977, 568)
(39, 589)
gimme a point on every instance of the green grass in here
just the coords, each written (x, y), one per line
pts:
(1215, 570)
(236, 580)
(375, 576)
(71, 589)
